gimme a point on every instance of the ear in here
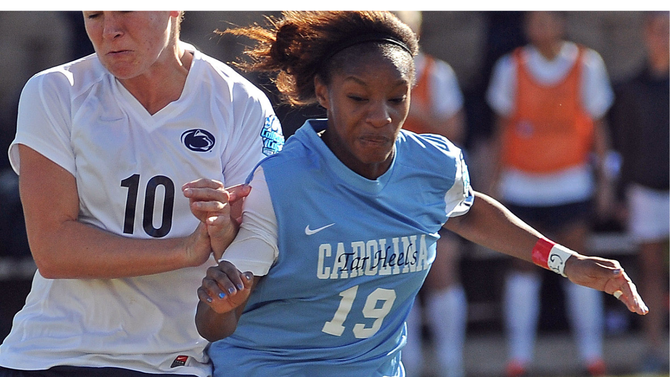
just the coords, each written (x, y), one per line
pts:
(321, 92)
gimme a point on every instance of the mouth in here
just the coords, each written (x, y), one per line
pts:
(118, 52)
(374, 139)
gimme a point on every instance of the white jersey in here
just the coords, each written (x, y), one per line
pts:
(129, 167)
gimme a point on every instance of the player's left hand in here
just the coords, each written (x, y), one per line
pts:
(225, 288)
(608, 276)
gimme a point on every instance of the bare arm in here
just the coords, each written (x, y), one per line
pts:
(490, 224)
(64, 247)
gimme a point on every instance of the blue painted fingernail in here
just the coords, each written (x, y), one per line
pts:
(209, 299)
(222, 295)
(240, 286)
(231, 290)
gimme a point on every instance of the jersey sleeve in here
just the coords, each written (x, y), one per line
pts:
(258, 134)
(255, 246)
(460, 196)
(502, 89)
(597, 93)
(44, 122)
(446, 89)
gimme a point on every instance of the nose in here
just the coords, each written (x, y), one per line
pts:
(111, 27)
(379, 114)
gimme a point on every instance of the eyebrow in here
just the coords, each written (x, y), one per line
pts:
(357, 80)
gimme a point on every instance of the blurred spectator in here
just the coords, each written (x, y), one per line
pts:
(640, 120)
(550, 97)
(437, 107)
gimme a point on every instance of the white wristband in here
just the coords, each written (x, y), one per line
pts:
(557, 258)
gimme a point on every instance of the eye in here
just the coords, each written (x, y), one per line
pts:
(92, 15)
(398, 100)
(356, 98)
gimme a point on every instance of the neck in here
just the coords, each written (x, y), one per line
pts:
(550, 49)
(163, 83)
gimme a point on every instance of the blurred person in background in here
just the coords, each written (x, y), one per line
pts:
(437, 108)
(640, 122)
(550, 97)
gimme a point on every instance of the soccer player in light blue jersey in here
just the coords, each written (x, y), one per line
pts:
(339, 229)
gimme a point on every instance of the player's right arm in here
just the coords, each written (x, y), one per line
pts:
(66, 248)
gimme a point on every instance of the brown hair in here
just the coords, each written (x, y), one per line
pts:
(300, 45)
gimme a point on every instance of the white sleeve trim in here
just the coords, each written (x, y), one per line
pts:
(459, 197)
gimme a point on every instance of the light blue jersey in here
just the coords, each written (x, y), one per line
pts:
(353, 254)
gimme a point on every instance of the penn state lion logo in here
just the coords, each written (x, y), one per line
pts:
(198, 140)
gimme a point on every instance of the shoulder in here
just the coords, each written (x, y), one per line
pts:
(220, 76)
(73, 77)
(65, 83)
(504, 65)
(591, 58)
(427, 148)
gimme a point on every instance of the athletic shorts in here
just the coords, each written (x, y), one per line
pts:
(553, 218)
(649, 213)
(68, 371)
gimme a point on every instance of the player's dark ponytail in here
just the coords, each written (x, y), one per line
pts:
(301, 45)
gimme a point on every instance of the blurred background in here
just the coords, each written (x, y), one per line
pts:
(469, 41)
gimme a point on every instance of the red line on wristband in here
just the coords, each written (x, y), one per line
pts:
(541, 252)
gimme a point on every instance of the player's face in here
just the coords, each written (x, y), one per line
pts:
(367, 101)
(129, 43)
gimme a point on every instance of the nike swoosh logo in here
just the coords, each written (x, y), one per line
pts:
(309, 232)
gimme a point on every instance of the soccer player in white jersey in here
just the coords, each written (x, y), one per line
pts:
(103, 147)
(340, 227)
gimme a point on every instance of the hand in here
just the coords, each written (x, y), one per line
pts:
(209, 198)
(220, 209)
(608, 276)
(198, 246)
(224, 288)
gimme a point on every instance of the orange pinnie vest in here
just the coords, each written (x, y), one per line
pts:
(549, 130)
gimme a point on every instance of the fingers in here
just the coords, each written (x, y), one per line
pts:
(238, 192)
(224, 287)
(626, 292)
(210, 189)
(607, 275)
(209, 199)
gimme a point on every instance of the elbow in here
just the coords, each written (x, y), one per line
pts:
(47, 268)
(46, 264)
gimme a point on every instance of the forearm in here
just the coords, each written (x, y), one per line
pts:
(64, 247)
(77, 250)
(490, 224)
(215, 326)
